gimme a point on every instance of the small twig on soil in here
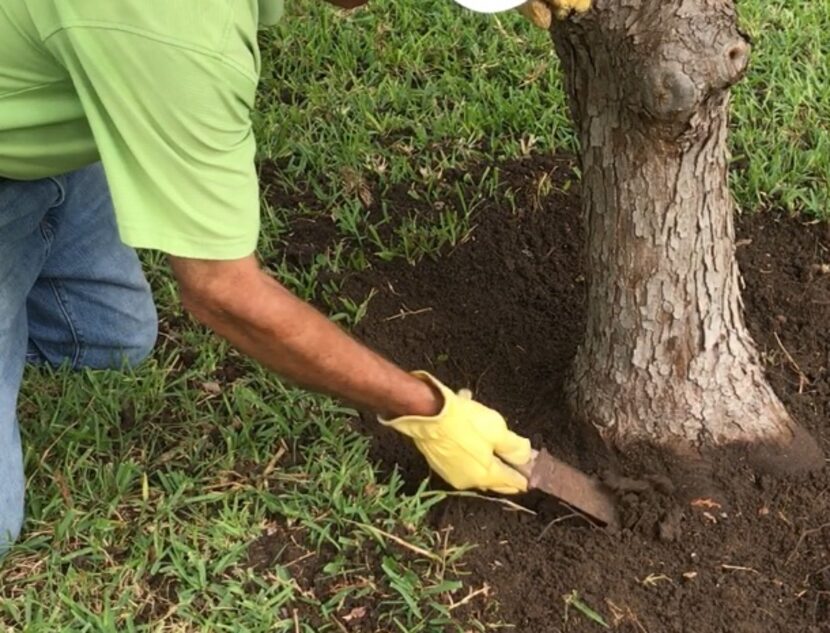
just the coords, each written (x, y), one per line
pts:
(804, 535)
(802, 378)
(815, 573)
(505, 502)
(621, 616)
(587, 520)
(339, 624)
(485, 590)
(652, 579)
(738, 568)
(406, 312)
(481, 376)
(269, 468)
(547, 528)
(299, 559)
(634, 619)
(296, 622)
(398, 540)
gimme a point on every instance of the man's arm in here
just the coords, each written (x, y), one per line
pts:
(265, 321)
(464, 441)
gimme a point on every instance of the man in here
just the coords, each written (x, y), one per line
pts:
(127, 125)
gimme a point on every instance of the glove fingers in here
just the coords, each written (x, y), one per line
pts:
(448, 469)
(513, 448)
(502, 478)
(496, 476)
(538, 12)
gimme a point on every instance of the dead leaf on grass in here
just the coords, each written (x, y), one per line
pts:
(358, 613)
(355, 184)
(212, 387)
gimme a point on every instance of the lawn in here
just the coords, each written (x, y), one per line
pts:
(200, 493)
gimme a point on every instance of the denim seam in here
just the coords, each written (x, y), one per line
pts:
(48, 235)
(77, 337)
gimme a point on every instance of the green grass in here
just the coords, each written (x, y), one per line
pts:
(781, 113)
(150, 491)
(149, 488)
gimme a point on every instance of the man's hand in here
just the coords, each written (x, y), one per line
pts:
(466, 443)
(541, 12)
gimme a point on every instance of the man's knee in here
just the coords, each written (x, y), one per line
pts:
(141, 341)
(129, 342)
(122, 334)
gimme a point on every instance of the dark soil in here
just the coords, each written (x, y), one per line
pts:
(502, 313)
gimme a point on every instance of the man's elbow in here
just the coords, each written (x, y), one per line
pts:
(197, 302)
(211, 291)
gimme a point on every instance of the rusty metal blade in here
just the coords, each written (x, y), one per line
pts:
(570, 485)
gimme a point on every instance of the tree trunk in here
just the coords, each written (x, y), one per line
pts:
(666, 358)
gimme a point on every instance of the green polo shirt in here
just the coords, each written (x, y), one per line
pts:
(160, 91)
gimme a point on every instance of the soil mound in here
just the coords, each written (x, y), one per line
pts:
(502, 314)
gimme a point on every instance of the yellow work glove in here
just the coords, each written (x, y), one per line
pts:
(541, 12)
(466, 442)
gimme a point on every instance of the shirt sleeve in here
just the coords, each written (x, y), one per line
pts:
(173, 129)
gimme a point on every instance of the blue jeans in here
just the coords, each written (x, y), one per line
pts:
(70, 293)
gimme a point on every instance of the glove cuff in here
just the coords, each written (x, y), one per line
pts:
(410, 424)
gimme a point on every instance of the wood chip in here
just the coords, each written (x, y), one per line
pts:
(705, 502)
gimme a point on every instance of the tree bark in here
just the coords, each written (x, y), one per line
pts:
(666, 357)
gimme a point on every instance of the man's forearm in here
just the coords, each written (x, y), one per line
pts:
(267, 322)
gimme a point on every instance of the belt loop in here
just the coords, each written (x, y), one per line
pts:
(61, 191)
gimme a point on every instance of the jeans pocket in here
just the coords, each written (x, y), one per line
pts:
(23, 205)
